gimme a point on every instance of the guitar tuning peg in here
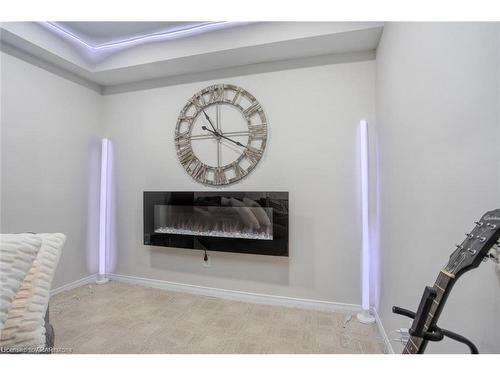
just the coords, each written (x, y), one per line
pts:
(491, 226)
(469, 235)
(478, 223)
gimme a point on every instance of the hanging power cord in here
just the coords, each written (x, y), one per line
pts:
(404, 335)
(347, 320)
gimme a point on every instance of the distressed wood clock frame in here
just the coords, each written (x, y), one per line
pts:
(251, 152)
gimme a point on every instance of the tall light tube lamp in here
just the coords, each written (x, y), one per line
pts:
(365, 316)
(104, 211)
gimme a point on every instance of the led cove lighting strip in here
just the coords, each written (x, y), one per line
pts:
(141, 39)
(103, 209)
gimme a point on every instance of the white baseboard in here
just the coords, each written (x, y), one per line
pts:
(265, 299)
(388, 346)
(75, 284)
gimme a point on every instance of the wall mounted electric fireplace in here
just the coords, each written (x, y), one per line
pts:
(238, 222)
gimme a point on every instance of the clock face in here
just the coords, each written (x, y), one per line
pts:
(220, 134)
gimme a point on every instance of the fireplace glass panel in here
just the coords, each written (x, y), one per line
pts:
(213, 221)
(251, 222)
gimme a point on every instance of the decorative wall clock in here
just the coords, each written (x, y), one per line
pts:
(220, 134)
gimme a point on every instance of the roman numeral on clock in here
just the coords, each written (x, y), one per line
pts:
(217, 94)
(186, 156)
(198, 102)
(185, 118)
(219, 177)
(199, 170)
(236, 96)
(251, 110)
(257, 131)
(253, 154)
(183, 140)
(238, 171)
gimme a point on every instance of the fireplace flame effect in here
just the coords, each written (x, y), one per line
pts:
(217, 229)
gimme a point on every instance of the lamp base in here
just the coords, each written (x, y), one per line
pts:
(101, 279)
(365, 317)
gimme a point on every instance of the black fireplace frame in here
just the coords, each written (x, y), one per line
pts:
(277, 200)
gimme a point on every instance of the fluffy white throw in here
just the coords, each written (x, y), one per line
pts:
(17, 253)
(29, 262)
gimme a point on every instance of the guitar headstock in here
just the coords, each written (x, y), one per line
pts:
(477, 244)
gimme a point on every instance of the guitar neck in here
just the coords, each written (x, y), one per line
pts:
(443, 285)
(467, 256)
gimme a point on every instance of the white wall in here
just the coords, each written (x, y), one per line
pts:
(313, 116)
(438, 130)
(50, 164)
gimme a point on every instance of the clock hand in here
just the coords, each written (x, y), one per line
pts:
(235, 142)
(222, 136)
(211, 131)
(210, 121)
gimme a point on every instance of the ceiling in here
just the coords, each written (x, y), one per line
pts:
(115, 57)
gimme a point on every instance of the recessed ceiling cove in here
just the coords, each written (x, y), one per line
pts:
(107, 36)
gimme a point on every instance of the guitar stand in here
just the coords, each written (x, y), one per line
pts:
(433, 333)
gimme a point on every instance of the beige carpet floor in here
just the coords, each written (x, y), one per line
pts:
(123, 318)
